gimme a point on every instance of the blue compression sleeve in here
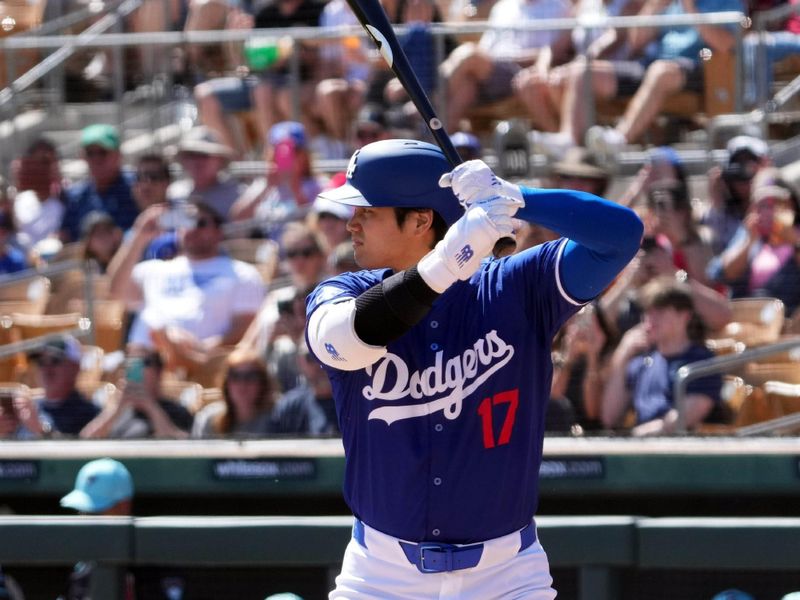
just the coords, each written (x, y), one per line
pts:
(604, 236)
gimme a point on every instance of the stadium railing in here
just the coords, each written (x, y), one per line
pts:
(601, 548)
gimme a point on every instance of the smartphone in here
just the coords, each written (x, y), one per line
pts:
(134, 369)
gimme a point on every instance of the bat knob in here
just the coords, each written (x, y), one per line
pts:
(504, 247)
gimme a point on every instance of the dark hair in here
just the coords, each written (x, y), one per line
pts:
(156, 159)
(40, 143)
(439, 225)
(668, 293)
(227, 421)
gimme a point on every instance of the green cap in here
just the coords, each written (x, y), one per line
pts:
(100, 134)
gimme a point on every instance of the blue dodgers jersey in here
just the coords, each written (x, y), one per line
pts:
(443, 435)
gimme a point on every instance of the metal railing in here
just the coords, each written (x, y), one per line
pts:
(85, 328)
(721, 364)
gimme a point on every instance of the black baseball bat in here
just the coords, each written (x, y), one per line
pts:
(371, 15)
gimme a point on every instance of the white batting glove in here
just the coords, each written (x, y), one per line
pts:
(468, 241)
(474, 180)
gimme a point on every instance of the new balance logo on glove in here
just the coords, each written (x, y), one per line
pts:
(464, 255)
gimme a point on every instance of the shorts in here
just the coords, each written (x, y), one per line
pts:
(630, 74)
(233, 93)
(498, 85)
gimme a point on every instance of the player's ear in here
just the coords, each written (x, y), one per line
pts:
(421, 220)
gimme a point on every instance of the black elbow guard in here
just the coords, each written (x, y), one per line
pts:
(387, 310)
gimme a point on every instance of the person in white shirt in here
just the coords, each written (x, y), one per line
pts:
(190, 305)
(38, 206)
(482, 73)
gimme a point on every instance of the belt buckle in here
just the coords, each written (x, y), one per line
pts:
(448, 552)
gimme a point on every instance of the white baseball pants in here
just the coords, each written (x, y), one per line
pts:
(381, 571)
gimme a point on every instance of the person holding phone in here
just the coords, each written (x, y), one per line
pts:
(139, 410)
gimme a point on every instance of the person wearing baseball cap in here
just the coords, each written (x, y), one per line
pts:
(730, 186)
(108, 188)
(439, 357)
(467, 145)
(63, 409)
(102, 487)
(580, 170)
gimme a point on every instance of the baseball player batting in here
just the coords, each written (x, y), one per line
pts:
(439, 358)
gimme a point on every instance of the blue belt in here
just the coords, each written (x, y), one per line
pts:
(434, 557)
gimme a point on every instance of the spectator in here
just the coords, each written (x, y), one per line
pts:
(762, 259)
(269, 93)
(107, 188)
(204, 158)
(307, 408)
(12, 259)
(673, 63)
(761, 51)
(662, 166)
(729, 189)
(248, 397)
(343, 259)
(199, 301)
(370, 125)
(39, 201)
(467, 145)
(542, 87)
(152, 181)
(100, 237)
(622, 302)
(580, 366)
(482, 73)
(63, 409)
(580, 170)
(15, 409)
(103, 487)
(329, 218)
(139, 411)
(305, 262)
(645, 362)
(290, 185)
(343, 73)
(671, 210)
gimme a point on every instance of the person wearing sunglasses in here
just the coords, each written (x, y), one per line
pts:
(278, 328)
(139, 410)
(62, 410)
(152, 180)
(248, 393)
(194, 304)
(108, 188)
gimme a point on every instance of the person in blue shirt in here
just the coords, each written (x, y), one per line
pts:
(108, 188)
(645, 363)
(12, 259)
(439, 360)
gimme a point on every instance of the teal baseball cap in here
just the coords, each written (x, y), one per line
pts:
(100, 484)
(102, 135)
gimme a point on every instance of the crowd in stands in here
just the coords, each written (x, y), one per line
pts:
(210, 270)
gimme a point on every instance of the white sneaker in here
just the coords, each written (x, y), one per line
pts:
(605, 143)
(554, 145)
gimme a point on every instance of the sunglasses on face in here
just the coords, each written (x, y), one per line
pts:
(301, 252)
(244, 376)
(97, 153)
(150, 176)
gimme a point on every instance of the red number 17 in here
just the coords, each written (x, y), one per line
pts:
(511, 397)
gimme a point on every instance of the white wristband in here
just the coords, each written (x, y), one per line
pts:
(434, 272)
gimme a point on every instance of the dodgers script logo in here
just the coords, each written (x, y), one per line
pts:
(460, 376)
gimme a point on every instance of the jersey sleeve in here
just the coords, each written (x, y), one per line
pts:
(534, 274)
